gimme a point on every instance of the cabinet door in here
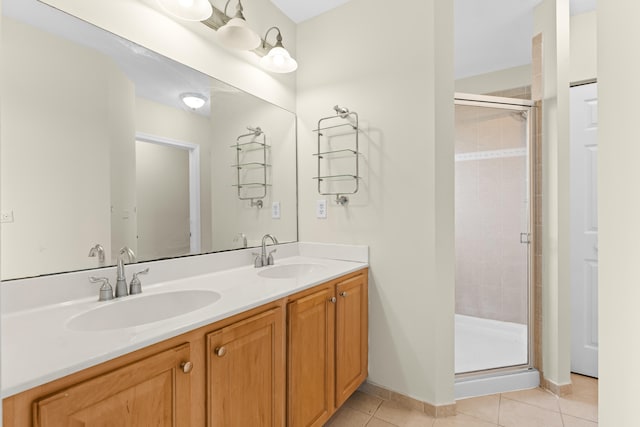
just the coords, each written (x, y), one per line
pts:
(310, 359)
(246, 371)
(154, 391)
(351, 336)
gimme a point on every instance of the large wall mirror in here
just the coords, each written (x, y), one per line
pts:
(99, 152)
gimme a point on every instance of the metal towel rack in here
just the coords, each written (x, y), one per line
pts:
(257, 143)
(325, 154)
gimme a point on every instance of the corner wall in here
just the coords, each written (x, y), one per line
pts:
(618, 212)
(404, 209)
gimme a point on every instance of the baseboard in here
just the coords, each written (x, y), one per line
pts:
(557, 389)
(436, 411)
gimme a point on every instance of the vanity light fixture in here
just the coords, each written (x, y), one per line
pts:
(278, 60)
(187, 10)
(236, 34)
(193, 100)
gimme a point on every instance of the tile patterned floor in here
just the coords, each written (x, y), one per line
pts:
(527, 408)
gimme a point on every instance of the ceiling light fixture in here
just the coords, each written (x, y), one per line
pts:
(236, 33)
(278, 60)
(187, 10)
(193, 100)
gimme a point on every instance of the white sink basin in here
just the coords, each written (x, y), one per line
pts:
(289, 271)
(140, 310)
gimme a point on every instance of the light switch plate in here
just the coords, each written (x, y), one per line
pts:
(6, 216)
(275, 210)
(321, 208)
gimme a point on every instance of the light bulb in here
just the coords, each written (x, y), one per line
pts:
(193, 100)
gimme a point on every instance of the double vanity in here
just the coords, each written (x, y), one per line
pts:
(239, 346)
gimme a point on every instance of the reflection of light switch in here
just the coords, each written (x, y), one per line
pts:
(275, 210)
(321, 208)
(6, 216)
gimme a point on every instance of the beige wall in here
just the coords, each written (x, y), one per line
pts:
(231, 113)
(404, 210)
(67, 177)
(162, 195)
(582, 65)
(194, 44)
(618, 212)
(491, 212)
(552, 20)
(584, 58)
(184, 126)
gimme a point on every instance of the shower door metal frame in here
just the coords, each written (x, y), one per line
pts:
(529, 107)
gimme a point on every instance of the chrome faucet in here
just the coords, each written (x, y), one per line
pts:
(99, 251)
(263, 260)
(121, 281)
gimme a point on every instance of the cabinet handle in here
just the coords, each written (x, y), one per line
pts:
(220, 351)
(333, 300)
(186, 367)
(343, 294)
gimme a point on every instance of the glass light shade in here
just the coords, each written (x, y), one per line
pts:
(193, 100)
(236, 34)
(278, 60)
(187, 10)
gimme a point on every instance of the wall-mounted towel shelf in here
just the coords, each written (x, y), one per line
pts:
(337, 155)
(251, 166)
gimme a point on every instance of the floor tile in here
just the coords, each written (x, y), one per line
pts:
(518, 414)
(395, 413)
(347, 417)
(462, 420)
(485, 407)
(570, 421)
(580, 407)
(536, 397)
(363, 402)
(584, 386)
(376, 422)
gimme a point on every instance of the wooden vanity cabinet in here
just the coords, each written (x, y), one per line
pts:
(153, 391)
(327, 348)
(245, 373)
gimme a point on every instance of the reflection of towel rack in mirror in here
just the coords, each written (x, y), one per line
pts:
(251, 166)
(346, 179)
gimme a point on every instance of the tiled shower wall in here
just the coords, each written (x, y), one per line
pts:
(491, 211)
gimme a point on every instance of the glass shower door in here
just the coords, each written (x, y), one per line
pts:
(492, 220)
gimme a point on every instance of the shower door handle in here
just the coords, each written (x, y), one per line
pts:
(525, 238)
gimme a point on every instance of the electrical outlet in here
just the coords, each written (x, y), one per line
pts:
(321, 209)
(275, 210)
(6, 216)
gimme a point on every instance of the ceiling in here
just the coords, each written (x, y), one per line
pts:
(490, 35)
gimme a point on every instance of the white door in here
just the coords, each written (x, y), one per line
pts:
(584, 230)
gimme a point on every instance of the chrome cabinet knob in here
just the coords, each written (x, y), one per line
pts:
(333, 300)
(220, 351)
(186, 367)
(343, 294)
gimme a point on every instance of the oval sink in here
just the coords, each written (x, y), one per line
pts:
(126, 313)
(289, 271)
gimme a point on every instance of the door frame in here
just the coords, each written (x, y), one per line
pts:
(194, 183)
(528, 106)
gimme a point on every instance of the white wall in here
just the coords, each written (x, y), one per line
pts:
(404, 210)
(552, 20)
(618, 212)
(56, 171)
(584, 58)
(194, 44)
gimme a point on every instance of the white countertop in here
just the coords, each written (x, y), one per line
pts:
(37, 347)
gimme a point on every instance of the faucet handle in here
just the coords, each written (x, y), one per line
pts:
(270, 257)
(257, 261)
(135, 287)
(106, 291)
